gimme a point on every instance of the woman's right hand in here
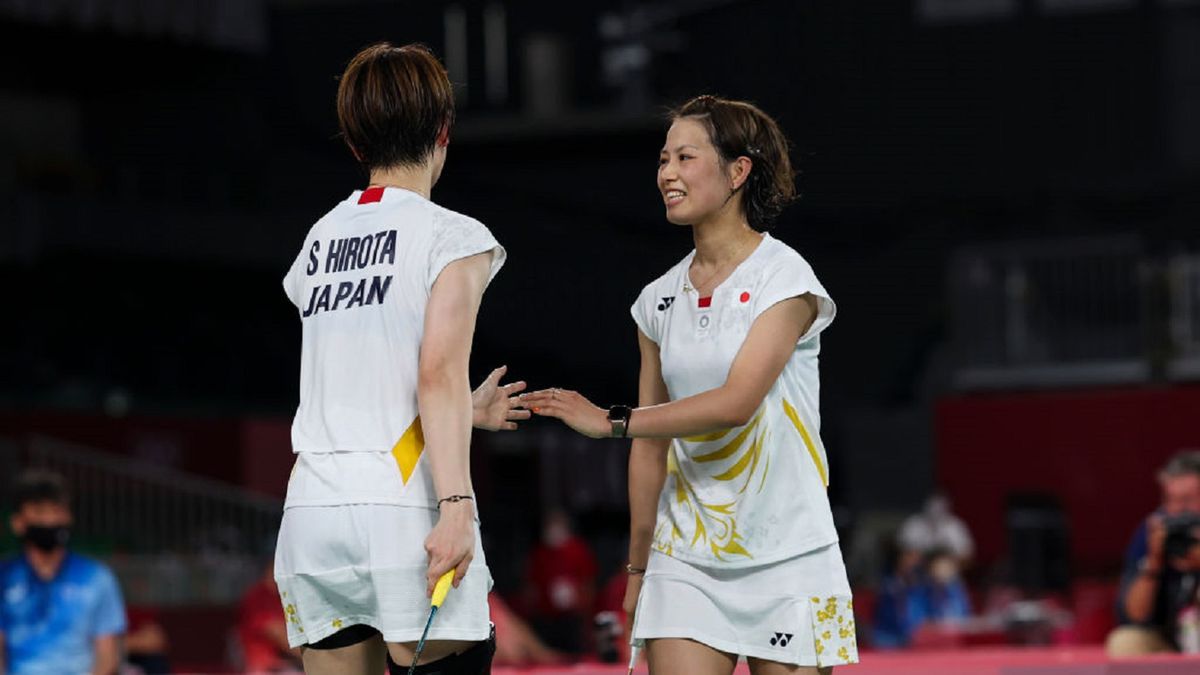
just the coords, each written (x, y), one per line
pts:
(451, 543)
(572, 408)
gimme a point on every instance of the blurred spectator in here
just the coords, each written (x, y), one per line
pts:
(1157, 605)
(936, 528)
(894, 620)
(146, 642)
(921, 590)
(516, 644)
(59, 612)
(610, 602)
(561, 578)
(946, 597)
(262, 629)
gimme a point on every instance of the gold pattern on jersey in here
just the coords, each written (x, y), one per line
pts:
(726, 451)
(724, 539)
(812, 450)
(408, 449)
(706, 438)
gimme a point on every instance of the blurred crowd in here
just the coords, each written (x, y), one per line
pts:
(924, 581)
(64, 612)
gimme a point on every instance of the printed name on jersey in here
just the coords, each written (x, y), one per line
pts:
(353, 253)
(348, 254)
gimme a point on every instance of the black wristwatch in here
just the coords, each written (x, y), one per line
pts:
(618, 416)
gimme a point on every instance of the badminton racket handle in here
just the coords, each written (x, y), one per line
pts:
(441, 589)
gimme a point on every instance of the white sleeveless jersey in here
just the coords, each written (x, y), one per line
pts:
(754, 494)
(361, 283)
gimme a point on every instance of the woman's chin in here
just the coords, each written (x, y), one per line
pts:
(677, 218)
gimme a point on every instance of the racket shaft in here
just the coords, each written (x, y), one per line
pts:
(421, 644)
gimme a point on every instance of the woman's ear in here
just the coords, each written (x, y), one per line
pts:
(443, 137)
(739, 172)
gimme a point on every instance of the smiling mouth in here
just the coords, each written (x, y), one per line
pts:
(673, 197)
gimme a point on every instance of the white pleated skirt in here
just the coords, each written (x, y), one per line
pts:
(797, 611)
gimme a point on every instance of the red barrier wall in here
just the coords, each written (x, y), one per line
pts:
(254, 453)
(1096, 450)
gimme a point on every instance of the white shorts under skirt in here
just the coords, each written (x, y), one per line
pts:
(337, 566)
(797, 611)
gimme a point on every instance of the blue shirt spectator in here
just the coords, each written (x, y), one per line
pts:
(60, 613)
(918, 593)
(49, 625)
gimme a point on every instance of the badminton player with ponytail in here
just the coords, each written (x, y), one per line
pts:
(732, 549)
(379, 506)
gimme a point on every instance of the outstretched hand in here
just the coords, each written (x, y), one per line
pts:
(495, 406)
(571, 407)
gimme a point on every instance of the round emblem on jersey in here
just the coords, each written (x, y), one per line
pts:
(704, 321)
(745, 297)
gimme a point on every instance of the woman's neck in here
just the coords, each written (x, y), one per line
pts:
(418, 179)
(723, 239)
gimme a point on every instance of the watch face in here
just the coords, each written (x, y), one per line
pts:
(619, 412)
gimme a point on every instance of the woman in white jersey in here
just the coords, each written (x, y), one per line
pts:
(733, 549)
(388, 285)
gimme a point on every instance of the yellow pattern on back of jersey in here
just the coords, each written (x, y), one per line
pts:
(408, 449)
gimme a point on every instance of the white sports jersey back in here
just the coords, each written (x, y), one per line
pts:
(755, 494)
(361, 283)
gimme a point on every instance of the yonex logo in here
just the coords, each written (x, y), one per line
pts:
(666, 303)
(781, 639)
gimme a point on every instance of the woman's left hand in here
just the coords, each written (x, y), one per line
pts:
(571, 407)
(496, 406)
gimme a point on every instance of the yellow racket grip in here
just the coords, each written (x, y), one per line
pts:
(441, 589)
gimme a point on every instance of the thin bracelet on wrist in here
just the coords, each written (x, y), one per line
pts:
(454, 499)
(630, 569)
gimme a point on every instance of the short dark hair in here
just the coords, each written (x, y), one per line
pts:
(39, 485)
(741, 129)
(392, 102)
(1182, 463)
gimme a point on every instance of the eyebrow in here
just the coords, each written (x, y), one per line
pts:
(677, 149)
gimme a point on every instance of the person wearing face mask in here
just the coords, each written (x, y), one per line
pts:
(733, 549)
(946, 597)
(562, 579)
(922, 589)
(936, 529)
(60, 612)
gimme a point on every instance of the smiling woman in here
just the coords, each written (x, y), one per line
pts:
(740, 134)
(730, 521)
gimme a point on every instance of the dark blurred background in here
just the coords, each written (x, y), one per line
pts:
(1003, 196)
